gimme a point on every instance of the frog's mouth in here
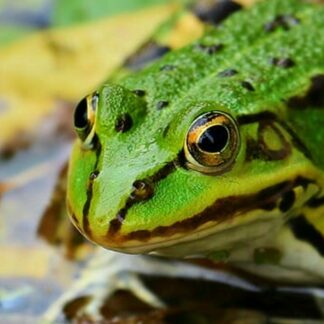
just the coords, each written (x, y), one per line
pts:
(223, 214)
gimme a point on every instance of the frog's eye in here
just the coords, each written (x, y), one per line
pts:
(84, 116)
(212, 143)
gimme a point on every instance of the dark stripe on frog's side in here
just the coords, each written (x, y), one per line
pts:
(316, 202)
(146, 54)
(116, 223)
(254, 118)
(305, 231)
(224, 209)
(92, 177)
(267, 116)
(216, 11)
(288, 200)
(313, 98)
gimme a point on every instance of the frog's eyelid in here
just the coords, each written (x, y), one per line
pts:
(95, 100)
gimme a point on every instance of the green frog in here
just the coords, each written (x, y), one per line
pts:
(213, 151)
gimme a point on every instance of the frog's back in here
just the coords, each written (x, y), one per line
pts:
(256, 61)
(306, 116)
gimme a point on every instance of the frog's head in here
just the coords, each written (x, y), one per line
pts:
(188, 179)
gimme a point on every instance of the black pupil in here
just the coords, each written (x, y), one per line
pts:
(80, 114)
(213, 139)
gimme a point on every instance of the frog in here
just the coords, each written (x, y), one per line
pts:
(214, 150)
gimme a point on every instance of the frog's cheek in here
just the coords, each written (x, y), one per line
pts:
(81, 171)
(190, 212)
(162, 217)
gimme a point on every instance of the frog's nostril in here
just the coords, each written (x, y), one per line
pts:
(142, 190)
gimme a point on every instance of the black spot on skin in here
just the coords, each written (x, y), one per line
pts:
(210, 49)
(305, 231)
(140, 93)
(215, 12)
(142, 190)
(227, 73)
(314, 97)
(287, 201)
(284, 63)
(167, 67)
(148, 53)
(94, 175)
(247, 85)
(161, 105)
(281, 21)
(165, 131)
(123, 123)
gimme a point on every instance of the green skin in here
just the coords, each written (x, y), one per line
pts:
(194, 213)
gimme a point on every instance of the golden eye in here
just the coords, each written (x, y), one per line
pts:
(84, 115)
(212, 143)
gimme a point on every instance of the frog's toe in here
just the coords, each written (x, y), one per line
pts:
(126, 281)
(105, 274)
(131, 281)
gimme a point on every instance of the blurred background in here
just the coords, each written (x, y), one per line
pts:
(52, 53)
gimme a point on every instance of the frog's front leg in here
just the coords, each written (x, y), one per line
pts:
(108, 272)
(104, 274)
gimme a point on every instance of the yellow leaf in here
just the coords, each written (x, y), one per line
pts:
(36, 267)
